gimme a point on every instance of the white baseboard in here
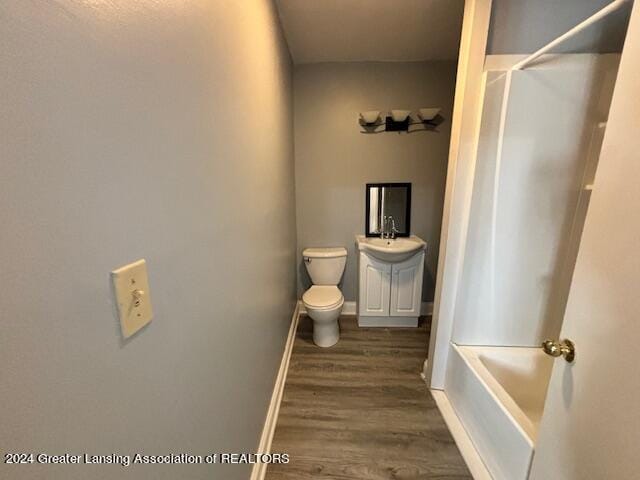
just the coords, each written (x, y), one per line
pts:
(349, 308)
(465, 445)
(260, 469)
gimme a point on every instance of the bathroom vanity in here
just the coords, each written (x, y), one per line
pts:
(390, 273)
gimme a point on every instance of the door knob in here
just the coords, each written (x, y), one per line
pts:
(565, 348)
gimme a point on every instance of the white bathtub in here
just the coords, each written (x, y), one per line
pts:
(498, 393)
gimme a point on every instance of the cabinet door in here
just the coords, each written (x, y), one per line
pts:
(406, 287)
(375, 279)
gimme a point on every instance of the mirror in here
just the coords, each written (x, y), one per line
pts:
(388, 206)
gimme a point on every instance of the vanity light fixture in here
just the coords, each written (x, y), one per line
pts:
(370, 117)
(428, 114)
(400, 115)
(399, 120)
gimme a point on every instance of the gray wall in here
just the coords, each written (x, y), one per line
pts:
(142, 129)
(334, 159)
(524, 26)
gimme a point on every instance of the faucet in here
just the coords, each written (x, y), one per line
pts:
(385, 231)
(383, 228)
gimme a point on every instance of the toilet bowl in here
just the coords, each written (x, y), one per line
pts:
(324, 305)
(324, 300)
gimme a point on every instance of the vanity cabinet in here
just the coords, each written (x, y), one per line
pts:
(406, 287)
(389, 294)
(375, 286)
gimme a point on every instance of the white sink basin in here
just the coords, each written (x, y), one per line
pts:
(389, 250)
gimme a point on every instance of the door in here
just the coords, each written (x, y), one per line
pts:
(406, 287)
(591, 424)
(374, 287)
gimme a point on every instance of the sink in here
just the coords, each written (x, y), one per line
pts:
(389, 250)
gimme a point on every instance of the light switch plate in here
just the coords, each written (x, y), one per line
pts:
(131, 288)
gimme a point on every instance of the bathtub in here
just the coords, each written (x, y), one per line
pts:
(498, 393)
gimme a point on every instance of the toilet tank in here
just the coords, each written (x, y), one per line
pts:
(325, 265)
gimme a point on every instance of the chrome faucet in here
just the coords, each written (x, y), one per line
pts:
(388, 230)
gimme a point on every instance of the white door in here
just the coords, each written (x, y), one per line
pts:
(406, 287)
(591, 424)
(375, 280)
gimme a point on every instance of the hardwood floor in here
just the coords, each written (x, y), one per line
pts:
(359, 410)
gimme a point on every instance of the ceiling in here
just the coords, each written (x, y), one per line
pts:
(371, 30)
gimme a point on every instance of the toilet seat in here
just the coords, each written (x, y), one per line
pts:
(323, 297)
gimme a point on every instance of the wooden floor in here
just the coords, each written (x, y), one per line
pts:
(359, 410)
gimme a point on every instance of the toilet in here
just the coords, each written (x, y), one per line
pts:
(324, 300)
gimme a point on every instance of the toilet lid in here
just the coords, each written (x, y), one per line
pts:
(322, 296)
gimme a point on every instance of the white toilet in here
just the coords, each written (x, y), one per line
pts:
(324, 300)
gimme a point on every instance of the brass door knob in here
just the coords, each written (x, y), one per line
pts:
(565, 348)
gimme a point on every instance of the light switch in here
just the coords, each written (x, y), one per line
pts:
(131, 287)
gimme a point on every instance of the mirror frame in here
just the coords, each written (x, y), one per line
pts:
(368, 207)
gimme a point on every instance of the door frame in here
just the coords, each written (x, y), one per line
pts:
(465, 125)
